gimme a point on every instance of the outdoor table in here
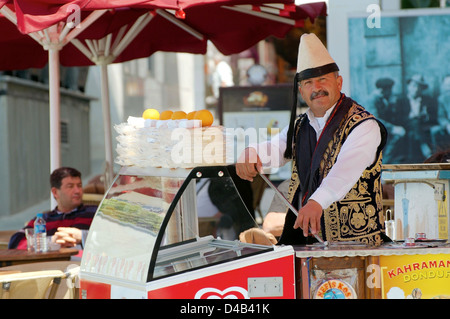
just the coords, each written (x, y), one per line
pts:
(9, 257)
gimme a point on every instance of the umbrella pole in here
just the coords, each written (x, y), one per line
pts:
(54, 112)
(107, 125)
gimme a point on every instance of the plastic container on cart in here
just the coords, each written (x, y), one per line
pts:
(152, 233)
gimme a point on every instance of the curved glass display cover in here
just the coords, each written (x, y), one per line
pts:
(154, 223)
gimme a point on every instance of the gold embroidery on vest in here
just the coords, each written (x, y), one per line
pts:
(355, 217)
(295, 180)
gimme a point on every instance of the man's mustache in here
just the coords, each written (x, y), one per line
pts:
(318, 94)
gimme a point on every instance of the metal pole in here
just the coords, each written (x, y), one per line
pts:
(107, 125)
(54, 112)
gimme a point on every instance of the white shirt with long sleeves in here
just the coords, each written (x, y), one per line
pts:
(357, 153)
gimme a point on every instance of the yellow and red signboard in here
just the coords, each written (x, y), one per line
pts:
(415, 276)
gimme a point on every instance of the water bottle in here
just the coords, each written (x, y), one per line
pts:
(40, 234)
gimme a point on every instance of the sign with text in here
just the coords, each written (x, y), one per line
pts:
(416, 276)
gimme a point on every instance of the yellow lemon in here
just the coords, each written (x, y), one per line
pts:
(151, 114)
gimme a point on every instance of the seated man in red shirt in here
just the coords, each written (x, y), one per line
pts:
(69, 222)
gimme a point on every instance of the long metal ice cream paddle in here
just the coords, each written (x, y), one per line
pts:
(294, 210)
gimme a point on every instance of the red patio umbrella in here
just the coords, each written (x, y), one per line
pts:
(172, 26)
(83, 32)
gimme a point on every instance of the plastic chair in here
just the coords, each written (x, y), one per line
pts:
(65, 286)
(31, 285)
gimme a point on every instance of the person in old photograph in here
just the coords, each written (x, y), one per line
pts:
(383, 105)
(441, 133)
(418, 112)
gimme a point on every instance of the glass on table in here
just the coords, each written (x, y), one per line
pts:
(52, 245)
(29, 234)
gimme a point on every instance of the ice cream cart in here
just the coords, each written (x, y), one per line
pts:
(144, 242)
(416, 265)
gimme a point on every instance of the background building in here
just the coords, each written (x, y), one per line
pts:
(176, 81)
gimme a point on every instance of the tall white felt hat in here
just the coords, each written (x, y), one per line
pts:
(313, 58)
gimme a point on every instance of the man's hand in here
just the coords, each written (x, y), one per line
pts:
(67, 236)
(249, 164)
(309, 215)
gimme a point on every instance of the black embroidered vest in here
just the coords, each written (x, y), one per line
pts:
(358, 216)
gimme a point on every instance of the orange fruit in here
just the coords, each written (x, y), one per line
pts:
(205, 116)
(190, 115)
(151, 114)
(178, 115)
(166, 115)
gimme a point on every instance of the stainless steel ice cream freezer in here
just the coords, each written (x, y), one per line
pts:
(145, 241)
(148, 240)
